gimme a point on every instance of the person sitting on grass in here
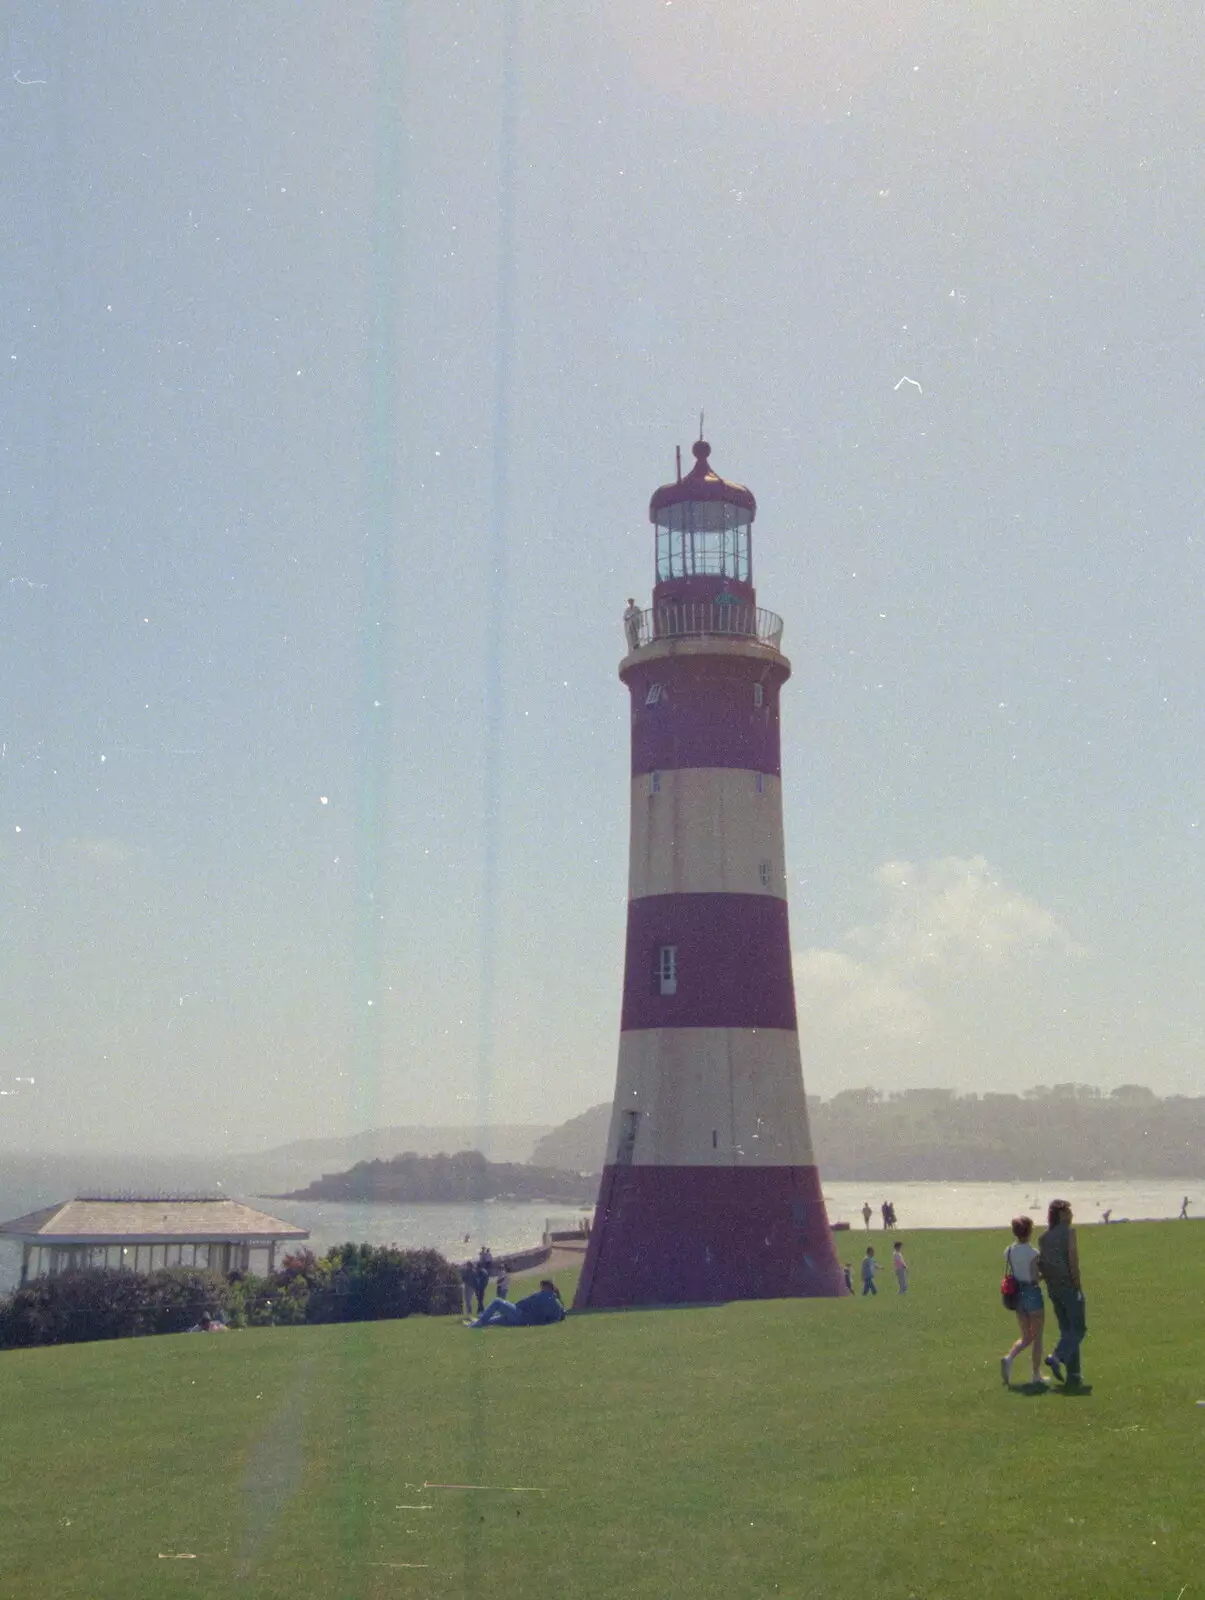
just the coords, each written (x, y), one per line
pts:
(542, 1307)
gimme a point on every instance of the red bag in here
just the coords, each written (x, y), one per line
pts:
(1010, 1289)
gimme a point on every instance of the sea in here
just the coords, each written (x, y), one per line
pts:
(461, 1230)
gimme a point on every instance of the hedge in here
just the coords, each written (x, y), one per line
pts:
(351, 1283)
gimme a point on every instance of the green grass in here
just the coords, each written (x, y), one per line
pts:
(849, 1448)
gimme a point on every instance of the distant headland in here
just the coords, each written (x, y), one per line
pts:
(411, 1179)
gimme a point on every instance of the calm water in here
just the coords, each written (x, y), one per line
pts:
(991, 1205)
(461, 1230)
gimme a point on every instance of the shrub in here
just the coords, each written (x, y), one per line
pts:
(265, 1302)
(351, 1283)
(366, 1283)
(96, 1303)
(177, 1298)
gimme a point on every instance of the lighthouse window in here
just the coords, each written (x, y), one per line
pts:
(761, 783)
(667, 968)
(759, 695)
(654, 694)
(654, 783)
(628, 1125)
(763, 872)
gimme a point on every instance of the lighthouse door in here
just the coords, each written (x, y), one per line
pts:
(627, 1138)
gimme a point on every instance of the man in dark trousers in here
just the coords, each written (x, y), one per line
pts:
(1058, 1263)
(542, 1307)
(481, 1276)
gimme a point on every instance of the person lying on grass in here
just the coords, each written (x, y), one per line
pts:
(543, 1306)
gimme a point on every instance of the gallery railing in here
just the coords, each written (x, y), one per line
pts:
(694, 620)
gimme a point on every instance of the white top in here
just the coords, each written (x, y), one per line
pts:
(1022, 1257)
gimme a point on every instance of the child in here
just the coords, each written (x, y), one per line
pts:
(869, 1267)
(899, 1266)
(849, 1276)
(502, 1282)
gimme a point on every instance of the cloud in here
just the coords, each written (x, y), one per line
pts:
(856, 1002)
(911, 988)
(954, 917)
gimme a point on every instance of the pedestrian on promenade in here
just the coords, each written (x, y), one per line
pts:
(1183, 1217)
(468, 1285)
(869, 1267)
(1058, 1264)
(867, 1213)
(1021, 1259)
(899, 1266)
(481, 1277)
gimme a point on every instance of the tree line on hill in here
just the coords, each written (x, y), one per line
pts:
(1069, 1130)
(411, 1179)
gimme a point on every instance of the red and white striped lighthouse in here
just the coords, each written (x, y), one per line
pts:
(710, 1191)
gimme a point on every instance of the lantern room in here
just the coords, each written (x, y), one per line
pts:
(704, 538)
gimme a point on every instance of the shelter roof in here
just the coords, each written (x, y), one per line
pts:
(98, 1220)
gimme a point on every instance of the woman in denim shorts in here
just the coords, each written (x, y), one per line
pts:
(1022, 1261)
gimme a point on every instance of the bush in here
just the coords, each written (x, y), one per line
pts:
(266, 1302)
(366, 1283)
(177, 1298)
(96, 1303)
(351, 1283)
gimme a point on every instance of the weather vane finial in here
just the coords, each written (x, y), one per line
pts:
(700, 424)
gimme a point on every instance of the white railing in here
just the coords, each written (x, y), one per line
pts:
(694, 619)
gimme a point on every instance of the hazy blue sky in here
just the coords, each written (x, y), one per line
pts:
(342, 347)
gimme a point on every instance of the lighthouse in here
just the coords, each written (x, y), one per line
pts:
(710, 1190)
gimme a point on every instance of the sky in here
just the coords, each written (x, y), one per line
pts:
(341, 347)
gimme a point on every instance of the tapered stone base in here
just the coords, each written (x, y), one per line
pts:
(691, 1235)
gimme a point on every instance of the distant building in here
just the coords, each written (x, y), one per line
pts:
(144, 1234)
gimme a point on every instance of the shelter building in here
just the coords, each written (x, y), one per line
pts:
(145, 1233)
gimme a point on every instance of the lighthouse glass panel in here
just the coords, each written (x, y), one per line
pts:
(703, 538)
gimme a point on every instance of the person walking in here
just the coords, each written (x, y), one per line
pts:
(1058, 1265)
(481, 1278)
(869, 1267)
(899, 1266)
(468, 1285)
(1021, 1259)
(867, 1213)
(1183, 1217)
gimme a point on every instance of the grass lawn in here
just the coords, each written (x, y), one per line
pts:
(860, 1448)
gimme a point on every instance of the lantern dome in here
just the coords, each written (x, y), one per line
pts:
(701, 484)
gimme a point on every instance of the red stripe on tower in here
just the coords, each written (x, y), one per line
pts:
(710, 1191)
